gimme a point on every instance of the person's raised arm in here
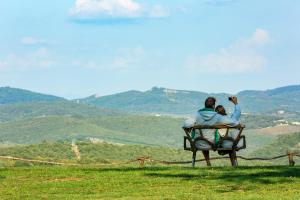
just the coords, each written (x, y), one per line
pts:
(234, 119)
(236, 115)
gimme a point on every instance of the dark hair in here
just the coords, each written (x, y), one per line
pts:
(220, 110)
(210, 102)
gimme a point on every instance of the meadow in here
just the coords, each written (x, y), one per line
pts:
(107, 139)
(155, 182)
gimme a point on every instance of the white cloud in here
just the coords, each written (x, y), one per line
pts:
(107, 9)
(242, 56)
(260, 37)
(37, 59)
(29, 40)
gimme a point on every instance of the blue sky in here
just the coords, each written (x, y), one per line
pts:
(75, 48)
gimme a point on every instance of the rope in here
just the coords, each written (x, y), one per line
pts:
(65, 164)
(141, 160)
(36, 161)
(274, 158)
(219, 158)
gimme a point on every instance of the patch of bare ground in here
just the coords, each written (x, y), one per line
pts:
(67, 179)
(278, 130)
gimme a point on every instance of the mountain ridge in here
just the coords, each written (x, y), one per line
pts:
(172, 101)
(160, 100)
(10, 95)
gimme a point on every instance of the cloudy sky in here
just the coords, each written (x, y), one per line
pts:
(75, 48)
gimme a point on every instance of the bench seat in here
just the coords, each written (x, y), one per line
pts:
(227, 144)
(201, 143)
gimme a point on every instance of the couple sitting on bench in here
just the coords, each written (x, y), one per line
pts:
(211, 115)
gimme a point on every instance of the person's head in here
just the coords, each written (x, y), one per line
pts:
(210, 102)
(220, 110)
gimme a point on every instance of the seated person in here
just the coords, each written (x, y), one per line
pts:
(208, 116)
(221, 133)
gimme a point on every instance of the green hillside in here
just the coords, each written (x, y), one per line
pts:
(283, 144)
(90, 153)
(10, 95)
(59, 108)
(106, 153)
(132, 129)
(124, 129)
(156, 100)
(168, 101)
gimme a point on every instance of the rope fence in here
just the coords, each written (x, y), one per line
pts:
(143, 160)
(289, 155)
(64, 163)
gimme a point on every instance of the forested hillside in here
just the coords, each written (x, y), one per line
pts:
(169, 101)
(57, 108)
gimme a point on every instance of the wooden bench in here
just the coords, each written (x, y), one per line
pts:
(201, 143)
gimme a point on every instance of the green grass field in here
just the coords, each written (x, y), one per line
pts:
(150, 183)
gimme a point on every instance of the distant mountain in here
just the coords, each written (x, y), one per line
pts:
(169, 101)
(10, 95)
(284, 100)
(280, 99)
(156, 100)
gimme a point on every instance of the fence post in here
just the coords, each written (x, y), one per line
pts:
(291, 160)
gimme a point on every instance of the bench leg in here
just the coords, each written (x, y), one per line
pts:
(233, 158)
(194, 158)
(206, 156)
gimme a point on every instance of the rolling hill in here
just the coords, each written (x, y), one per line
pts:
(91, 153)
(283, 143)
(169, 101)
(147, 130)
(127, 129)
(10, 95)
(31, 118)
(10, 112)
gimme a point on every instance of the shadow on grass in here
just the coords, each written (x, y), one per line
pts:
(260, 175)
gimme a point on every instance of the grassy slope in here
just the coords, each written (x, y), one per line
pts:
(50, 128)
(138, 129)
(58, 108)
(124, 129)
(91, 153)
(281, 145)
(150, 183)
(109, 153)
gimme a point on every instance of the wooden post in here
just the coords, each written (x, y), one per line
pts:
(142, 163)
(291, 159)
(206, 156)
(233, 158)
(194, 158)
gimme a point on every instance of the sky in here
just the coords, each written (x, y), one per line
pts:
(76, 48)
